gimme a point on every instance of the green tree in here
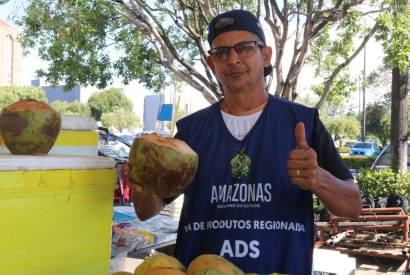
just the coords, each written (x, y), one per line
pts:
(156, 39)
(378, 121)
(341, 90)
(121, 120)
(72, 108)
(343, 127)
(394, 32)
(378, 115)
(108, 101)
(331, 56)
(11, 94)
(380, 79)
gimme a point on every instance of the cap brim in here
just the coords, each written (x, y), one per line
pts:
(268, 70)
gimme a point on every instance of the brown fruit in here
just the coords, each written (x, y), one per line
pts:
(29, 127)
(163, 166)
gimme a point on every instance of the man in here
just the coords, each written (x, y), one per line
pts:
(260, 160)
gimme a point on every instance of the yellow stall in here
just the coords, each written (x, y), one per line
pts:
(56, 210)
(56, 214)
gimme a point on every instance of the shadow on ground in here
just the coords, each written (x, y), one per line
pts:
(375, 265)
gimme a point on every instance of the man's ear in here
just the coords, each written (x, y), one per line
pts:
(267, 56)
(210, 63)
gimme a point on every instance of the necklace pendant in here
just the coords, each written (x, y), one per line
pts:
(240, 164)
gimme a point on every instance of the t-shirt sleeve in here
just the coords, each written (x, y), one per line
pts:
(327, 155)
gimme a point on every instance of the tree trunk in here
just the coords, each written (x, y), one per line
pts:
(399, 126)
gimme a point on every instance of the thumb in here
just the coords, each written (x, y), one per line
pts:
(300, 136)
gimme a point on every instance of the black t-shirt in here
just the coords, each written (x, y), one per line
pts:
(327, 156)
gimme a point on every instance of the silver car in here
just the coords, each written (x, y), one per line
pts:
(384, 159)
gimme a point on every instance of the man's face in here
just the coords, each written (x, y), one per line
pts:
(241, 69)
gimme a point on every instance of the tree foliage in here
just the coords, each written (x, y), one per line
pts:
(379, 83)
(378, 122)
(11, 94)
(343, 127)
(330, 57)
(92, 41)
(378, 115)
(108, 101)
(341, 90)
(72, 108)
(120, 120)
(394, 33)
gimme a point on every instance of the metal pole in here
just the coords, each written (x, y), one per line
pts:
(364, 95)
(359, 87)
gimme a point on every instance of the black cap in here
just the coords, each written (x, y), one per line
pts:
(236, 20)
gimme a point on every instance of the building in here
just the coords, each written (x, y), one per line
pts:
(54, 93)
(10, 55)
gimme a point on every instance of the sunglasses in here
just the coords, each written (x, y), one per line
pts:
(243, 49)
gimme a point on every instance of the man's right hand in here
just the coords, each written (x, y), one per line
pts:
(132, 185)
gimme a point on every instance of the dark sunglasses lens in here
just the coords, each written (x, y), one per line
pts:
(244, 48)
(220, 53)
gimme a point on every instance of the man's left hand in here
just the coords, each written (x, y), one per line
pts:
(302, 161)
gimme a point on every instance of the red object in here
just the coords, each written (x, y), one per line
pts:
(125, 193)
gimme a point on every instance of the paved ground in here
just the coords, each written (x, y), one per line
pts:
(376, 266)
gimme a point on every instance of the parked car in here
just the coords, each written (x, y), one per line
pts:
(110, 145)
(129, 138)
(364, 149)
(350, 144)
(384, 159)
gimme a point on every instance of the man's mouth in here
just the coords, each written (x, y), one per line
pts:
(235, 73)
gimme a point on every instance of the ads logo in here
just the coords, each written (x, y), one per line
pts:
(240, 249)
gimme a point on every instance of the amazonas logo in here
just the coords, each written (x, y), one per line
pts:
(241, 193)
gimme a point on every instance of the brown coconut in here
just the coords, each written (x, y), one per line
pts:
(163, 166)
(29, 127)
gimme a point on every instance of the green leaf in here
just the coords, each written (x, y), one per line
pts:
(11, 94)
(108, 101)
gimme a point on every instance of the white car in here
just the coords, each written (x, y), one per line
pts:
(384, 159)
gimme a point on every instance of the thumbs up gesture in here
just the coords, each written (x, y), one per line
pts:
(303, 168)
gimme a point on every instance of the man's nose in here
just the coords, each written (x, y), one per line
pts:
(233, 56)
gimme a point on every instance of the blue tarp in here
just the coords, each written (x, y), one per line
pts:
(165, 113)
